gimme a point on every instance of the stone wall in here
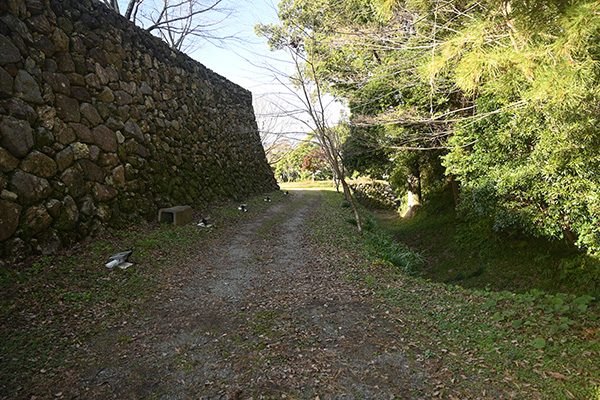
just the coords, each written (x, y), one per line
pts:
(375, 195)
(102, 123)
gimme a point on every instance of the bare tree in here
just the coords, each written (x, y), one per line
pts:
(307, 89)
(181, 23)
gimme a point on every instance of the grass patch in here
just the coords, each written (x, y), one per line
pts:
(50, 305)
(489, 343)
(473, 255)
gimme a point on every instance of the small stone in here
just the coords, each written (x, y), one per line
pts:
(8, 195)
(50, 242)
(43, 138)
(76, 79)
(46, 116)
(20, 109)
(102, 74)
(35, 7)
(58, 82)
(17, 136)
(108, 159)
(45, 45)
(131, 129)
(40, 24)
(80, 150)
(63, 133)
(26, 88)
(146, 89)
(53, 206)
(113, 74)
(93, 81)
(81, 94)
(87, 206)
(68, 216)
(120, 138)
(94, 153)
(97, 55)
(118, 174)
(114, 124)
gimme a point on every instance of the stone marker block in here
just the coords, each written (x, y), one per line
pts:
(179, 215)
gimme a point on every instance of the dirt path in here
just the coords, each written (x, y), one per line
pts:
(263, 313)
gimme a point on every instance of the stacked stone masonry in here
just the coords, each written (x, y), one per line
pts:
(103, 124)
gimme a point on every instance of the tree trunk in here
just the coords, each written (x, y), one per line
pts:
(455, 190)
(414, 196)
(350, 199)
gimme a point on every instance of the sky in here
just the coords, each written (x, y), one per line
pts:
(240, 61)
(248, 62)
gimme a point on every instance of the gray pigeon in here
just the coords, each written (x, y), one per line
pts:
(204, 223)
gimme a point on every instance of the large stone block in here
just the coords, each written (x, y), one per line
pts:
(9, 53)
(39, 164)
(30, 188)
(27, 88)
(16, 136)
(7, 161)
(67, 108)
(9, 218)
(105, 138)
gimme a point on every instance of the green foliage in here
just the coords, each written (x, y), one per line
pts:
(510, 88)
(531, 161)
(532, 171)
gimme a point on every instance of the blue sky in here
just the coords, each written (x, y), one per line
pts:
(249, 63)
(239, 61)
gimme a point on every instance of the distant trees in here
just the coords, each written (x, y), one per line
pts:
(302, 162)
(181, 23)
(314, 162)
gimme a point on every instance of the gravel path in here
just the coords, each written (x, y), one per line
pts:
(260, 313)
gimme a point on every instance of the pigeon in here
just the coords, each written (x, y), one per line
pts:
(242, 207)
(267, 199)
(120, 260)
(204, 223)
